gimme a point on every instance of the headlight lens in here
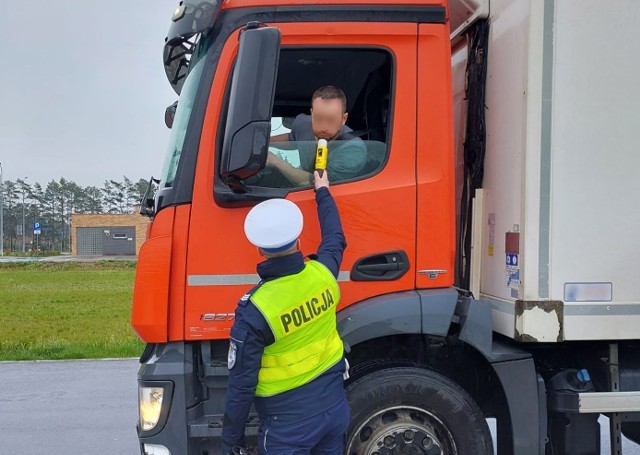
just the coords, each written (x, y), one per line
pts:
(155, 449)
(150, 406)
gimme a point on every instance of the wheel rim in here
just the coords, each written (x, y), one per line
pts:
(402, 430)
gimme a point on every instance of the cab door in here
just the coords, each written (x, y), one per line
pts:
(377, 208)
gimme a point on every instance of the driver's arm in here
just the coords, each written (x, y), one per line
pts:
(296, 176)
(283, 141)
(284, 137)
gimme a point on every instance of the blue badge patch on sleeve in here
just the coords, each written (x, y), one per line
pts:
(231, 357)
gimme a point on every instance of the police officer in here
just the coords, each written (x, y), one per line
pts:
(285, 354)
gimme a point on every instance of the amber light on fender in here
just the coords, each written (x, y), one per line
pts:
(149, 316)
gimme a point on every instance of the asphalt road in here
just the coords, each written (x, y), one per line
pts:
(88, 407)
(68, 408)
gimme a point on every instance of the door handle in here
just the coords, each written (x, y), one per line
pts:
(381, 267)
(378, 267)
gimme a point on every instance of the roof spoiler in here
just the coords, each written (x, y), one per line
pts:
(190, 20)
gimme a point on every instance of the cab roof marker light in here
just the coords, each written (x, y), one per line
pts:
(178, 13)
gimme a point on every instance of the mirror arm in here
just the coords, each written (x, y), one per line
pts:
(235, 184)
(147, 204)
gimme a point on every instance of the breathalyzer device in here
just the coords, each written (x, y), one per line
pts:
(322, 153)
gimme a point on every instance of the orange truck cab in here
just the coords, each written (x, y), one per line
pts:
(429, 365)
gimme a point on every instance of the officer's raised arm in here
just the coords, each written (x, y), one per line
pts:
(333, 241)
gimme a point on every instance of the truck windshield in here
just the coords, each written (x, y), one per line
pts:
(183, 114)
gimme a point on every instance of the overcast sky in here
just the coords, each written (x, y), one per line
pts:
(83, 89)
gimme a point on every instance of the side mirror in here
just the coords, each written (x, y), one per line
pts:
(170, 114)
(248, 128)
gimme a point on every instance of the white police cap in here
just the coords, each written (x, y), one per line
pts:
(273, 225)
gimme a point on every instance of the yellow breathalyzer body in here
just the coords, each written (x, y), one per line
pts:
(322, 154)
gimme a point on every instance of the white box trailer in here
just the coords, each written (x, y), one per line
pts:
(556, 251)
(553, 246)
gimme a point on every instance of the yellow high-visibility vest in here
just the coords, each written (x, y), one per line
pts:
(301, 311)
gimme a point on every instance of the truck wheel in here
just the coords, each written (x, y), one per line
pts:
(414, 411)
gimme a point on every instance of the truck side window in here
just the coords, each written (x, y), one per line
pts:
(360, 148)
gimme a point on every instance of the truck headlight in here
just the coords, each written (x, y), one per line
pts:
(155, 449)
(150, 406)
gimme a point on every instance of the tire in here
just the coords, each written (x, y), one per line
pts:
(409, 410)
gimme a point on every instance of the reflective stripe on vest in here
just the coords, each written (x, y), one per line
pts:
(301, 311)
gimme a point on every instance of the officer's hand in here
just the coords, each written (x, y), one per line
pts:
(319, 182)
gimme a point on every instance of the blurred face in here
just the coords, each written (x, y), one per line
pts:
(327, 118)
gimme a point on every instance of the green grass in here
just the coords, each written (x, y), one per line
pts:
(67, 310)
